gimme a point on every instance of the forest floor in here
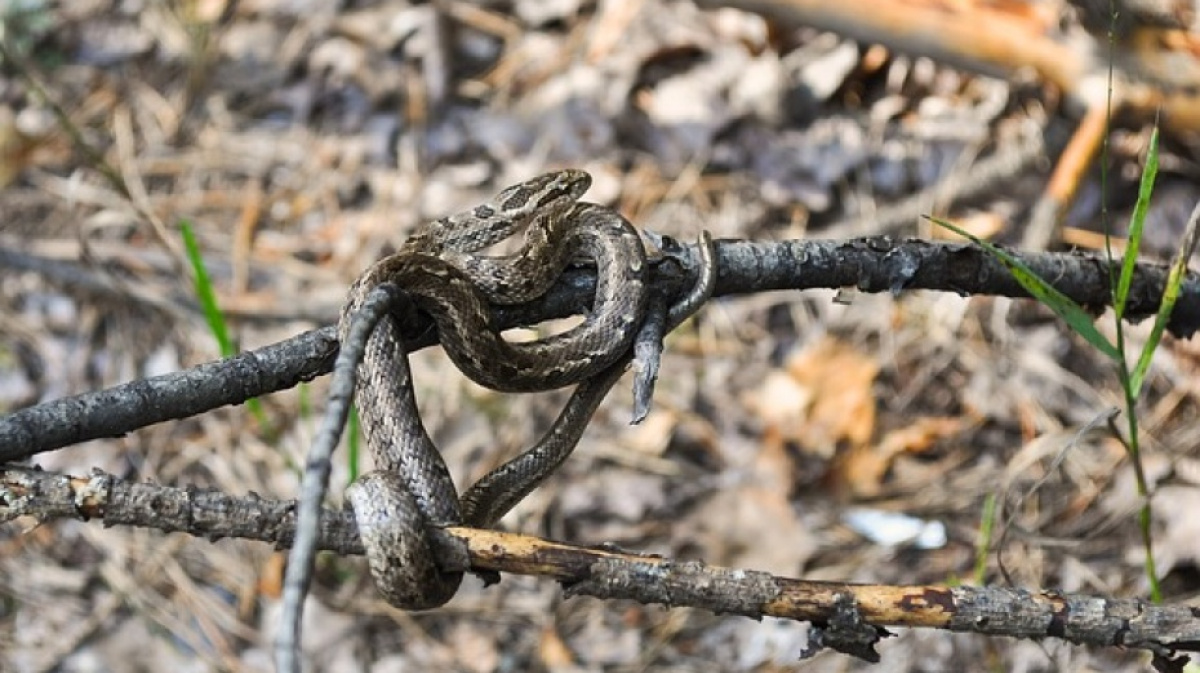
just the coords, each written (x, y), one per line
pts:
(303, 142)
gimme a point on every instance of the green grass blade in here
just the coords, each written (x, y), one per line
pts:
(1175, 278)
(987, 524)
(205, 293)
(1137, 222)
(353, 453)
(207, 297)
(1074, 315)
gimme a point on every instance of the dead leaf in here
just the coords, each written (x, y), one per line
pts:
(552, 651)
(863, 468)
(822, 399)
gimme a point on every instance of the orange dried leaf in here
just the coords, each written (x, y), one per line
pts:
(863, 469)
(839, 381)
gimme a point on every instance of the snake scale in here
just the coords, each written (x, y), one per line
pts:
(438, 270)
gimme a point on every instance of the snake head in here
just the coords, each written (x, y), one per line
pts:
(562, 187)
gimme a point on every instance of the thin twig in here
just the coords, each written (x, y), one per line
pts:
(381, 301)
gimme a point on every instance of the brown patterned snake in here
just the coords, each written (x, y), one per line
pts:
(411, 488)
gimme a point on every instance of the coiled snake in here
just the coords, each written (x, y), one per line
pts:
(411, 487)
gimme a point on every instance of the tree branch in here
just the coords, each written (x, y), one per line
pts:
(849, 618)
(868, 264)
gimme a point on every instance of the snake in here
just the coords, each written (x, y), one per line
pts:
(439, 270)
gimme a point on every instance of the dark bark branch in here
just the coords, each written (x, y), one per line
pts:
(868, 264)
(847, 617)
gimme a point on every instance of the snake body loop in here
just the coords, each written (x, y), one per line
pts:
(498, 491)
(412, 489)
(462, 314)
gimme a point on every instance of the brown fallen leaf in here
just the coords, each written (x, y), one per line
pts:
(863, 469)
(821, 400)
